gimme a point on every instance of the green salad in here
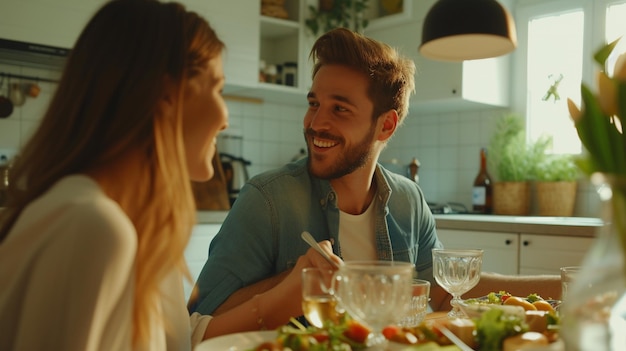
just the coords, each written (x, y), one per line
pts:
(349, 335)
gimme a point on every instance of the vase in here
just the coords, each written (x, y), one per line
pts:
(593, 313)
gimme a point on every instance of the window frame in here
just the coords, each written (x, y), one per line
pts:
(525, 10)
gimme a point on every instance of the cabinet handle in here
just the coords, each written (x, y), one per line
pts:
(526, 243)
(508, 241)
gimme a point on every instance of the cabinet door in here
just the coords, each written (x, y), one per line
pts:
(545, 254)
(197, 251)
(55, 23)
(235, 22)
(500, 249)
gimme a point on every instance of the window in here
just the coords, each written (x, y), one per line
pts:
(555, 52)
(614, 29)
(556, 42)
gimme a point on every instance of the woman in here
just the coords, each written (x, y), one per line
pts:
(100, 206)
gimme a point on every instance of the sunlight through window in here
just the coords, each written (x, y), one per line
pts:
(615, 28)
(555, 62)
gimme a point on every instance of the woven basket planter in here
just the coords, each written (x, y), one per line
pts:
(511, 198)
(556, 198)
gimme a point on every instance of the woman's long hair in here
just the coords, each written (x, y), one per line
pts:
(106, 106)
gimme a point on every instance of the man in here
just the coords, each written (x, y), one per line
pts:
(358, 98)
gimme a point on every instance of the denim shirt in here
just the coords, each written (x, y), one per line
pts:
(260, 237)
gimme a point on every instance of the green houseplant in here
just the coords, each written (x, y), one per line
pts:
(514, 162)
(337, 13)
(555, 185)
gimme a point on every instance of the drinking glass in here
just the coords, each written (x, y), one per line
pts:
(568, 274)
(318, 303)
(374, 293)
(419, 303)
(457, 271)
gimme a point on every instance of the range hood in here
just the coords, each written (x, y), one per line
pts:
(33, 55)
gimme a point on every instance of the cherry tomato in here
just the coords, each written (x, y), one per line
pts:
(503, 298)
(321, 337)
(391, 331)
(357, 332)
(268, 346)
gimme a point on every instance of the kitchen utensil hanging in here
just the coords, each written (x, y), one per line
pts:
(16, 94)
(6, 106)
(33, 89)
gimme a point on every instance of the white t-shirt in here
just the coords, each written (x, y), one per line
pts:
(66, 278)
(357, 236)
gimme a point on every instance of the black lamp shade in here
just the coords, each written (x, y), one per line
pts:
(457, 30)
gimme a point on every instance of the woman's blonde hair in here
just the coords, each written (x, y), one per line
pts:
(106, 106)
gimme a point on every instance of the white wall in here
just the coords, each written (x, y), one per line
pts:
(448, 146)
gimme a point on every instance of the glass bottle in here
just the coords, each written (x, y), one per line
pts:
(482, 199)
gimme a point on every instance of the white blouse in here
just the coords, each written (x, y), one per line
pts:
(66, 278)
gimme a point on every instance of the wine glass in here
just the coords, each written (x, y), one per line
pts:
(457, 271)
(374, 293)
(318, 303)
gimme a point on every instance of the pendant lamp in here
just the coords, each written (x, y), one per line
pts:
(457, 30)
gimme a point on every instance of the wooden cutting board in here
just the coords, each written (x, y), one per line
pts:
(212, 195)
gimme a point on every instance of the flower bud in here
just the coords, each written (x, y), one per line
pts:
(607, 94)
(619, 72)
(574, 111)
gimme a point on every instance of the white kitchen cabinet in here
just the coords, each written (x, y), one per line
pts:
(444, 86)
(519, 253)
(500, 249)
(236, 22)
(53, 23)
(545, 254)
(252, 38)
(197, 251)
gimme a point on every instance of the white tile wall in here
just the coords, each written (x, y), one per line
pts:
(448, 148)
(447, 144)
(15, 129)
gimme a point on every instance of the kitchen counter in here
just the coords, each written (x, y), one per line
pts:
(211, 217)
(559, 226)
(569, 226)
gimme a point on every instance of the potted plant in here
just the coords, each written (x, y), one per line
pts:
(331, 14)
(514, 163)
(555, 185)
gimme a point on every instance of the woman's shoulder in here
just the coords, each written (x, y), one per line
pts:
(76, 208)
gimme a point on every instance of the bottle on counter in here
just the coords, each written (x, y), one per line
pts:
(414, 167)
(482, 199)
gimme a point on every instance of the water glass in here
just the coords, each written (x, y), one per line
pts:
(318, 303)
(419, 304)
(568, 275)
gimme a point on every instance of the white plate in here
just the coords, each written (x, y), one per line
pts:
(236, 342)
(250, 340)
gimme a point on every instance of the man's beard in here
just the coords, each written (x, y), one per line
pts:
(350, 159)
